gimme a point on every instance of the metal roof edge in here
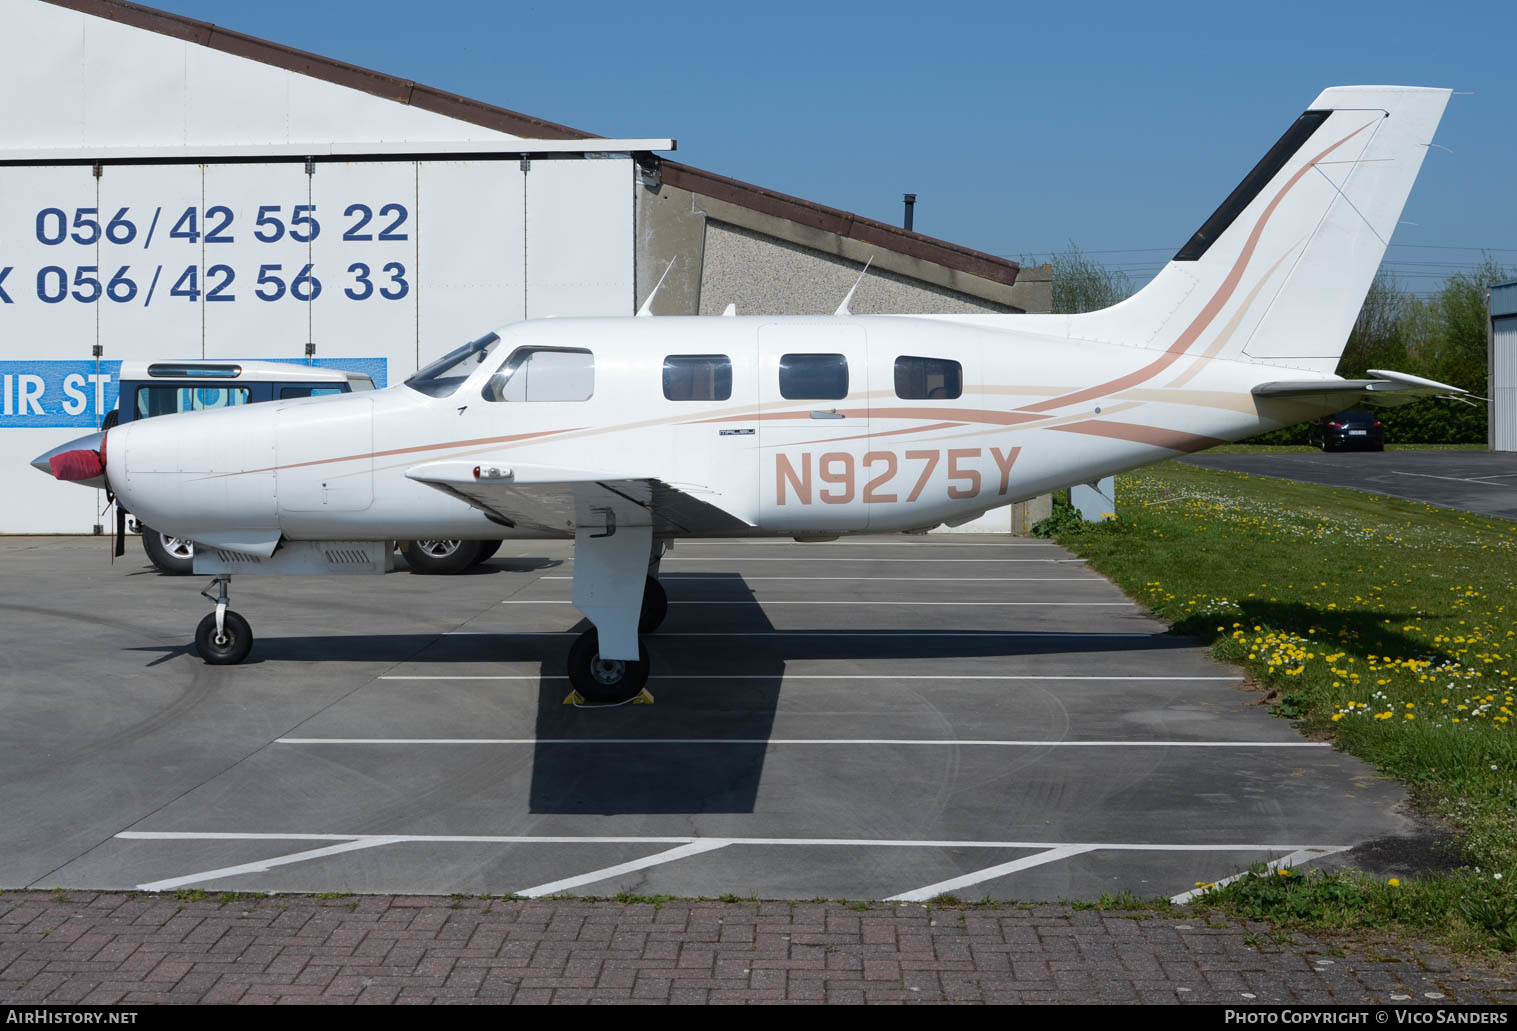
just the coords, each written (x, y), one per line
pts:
(476, 112)
(843, 223)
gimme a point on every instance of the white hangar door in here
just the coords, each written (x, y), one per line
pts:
(579, 236)
(52, 388)
(471, 256)
(1504, 386)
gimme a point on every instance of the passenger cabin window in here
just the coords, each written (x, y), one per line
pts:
(286, 393)
(166, 399)
(697, 377)
(933, 379)
(813, 377)
(544, 374)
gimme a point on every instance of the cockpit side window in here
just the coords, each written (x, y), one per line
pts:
(544, 374)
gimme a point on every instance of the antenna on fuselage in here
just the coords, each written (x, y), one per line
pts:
(731, 308)
(843, 308)
(647, 308)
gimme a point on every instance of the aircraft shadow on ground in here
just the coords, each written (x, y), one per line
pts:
(632, 775)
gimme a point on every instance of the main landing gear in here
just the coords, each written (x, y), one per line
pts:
(601, 681)
(616, 587)
(223, 638)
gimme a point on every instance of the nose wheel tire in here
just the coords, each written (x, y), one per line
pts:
(605, 681)
(655, 607)
(227, 648)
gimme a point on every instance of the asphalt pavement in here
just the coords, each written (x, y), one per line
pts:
(877, 719)
(1475, 481)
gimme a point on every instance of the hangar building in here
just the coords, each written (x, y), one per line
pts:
(1503, 359)
(189, 191)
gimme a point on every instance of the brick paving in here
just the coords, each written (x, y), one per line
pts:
(83, 947)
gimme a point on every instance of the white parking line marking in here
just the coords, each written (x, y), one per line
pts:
(695, 848)
(913, 579)
(989, 873)
(749, 741)
(1294, 859)
(834, 558)
(1071, 635)
(687, 839)
(263, 865)
(855, 543)
(1452, 479)
(815, 676)
(913, 604)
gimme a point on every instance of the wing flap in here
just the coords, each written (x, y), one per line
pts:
(558, 501)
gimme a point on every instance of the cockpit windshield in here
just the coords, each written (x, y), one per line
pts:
(445, 375)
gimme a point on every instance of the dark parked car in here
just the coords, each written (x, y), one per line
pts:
(1353, 430)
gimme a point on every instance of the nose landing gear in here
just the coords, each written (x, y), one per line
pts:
(223, 637)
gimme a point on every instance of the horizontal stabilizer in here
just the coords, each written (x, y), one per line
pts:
(558, 501)
(1388, 389)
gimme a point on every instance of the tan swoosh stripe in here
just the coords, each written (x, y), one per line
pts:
(1213, 306)
(1157, 436)
(1232, 325)
(888, 433)
(396, 451)
(982, 415)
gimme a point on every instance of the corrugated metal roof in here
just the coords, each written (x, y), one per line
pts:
(405, 91)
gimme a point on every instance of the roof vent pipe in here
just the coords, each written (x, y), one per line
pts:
(911, 203)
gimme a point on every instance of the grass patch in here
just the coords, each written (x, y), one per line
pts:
(1466, 910)
(1387, 625)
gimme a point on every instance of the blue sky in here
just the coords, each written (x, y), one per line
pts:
(1020, 127)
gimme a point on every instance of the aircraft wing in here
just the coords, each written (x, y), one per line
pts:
(1386, 390)
(559, 500)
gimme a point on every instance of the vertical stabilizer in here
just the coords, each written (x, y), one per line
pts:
(1277, 274)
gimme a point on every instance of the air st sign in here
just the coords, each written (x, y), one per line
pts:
(67, 393)
(41, 394)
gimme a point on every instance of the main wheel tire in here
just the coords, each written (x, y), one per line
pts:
(655, 607)
(174, 556)
(605, 681)
(487, 550)
(235, 643)
(439, 558)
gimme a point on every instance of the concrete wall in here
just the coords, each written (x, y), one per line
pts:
(724, 253)
(766, 276)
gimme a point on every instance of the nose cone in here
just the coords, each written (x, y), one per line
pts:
(61, 464)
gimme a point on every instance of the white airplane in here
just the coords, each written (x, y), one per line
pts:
(628, 433)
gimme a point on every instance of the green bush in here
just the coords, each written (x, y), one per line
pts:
(1426, 422)
(1066, 519)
